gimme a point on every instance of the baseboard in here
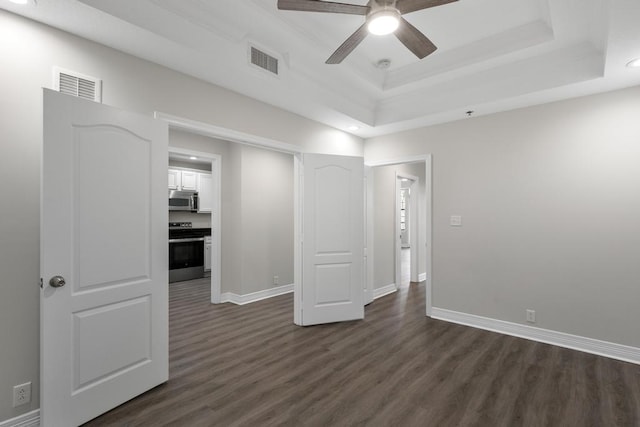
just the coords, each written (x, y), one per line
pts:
(385, 290)
(422, 277)
(561, 339)
(255, 296)
(30, 419)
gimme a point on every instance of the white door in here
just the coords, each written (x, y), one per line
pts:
(104, 330)
(333, 239)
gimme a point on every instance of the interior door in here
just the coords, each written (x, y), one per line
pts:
(333, 239)
(104, 302)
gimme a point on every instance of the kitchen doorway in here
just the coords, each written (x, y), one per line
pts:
(197, 173)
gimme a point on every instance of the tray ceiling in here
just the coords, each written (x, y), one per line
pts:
(492, 55)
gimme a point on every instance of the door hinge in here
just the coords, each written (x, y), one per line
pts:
(41, 283)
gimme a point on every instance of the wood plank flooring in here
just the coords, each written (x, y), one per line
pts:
(250, 366)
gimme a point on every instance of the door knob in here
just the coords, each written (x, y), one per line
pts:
(57, 282)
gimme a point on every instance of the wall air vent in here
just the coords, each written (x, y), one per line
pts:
(76, 84)
(264, 60)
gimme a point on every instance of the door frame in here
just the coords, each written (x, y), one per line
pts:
(413, 229)
(216, 259)
(213, 131)
(428, 251)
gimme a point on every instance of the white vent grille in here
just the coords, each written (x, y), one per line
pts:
(264, 60)
(76, 84)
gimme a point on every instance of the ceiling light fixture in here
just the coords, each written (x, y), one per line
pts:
(353, 127)
(193, 158)
(19, 1)
(634, 64)
(384, 21)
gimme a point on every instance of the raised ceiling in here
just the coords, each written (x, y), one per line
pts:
(493, 55)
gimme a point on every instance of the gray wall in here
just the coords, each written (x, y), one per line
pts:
(267, 219)
(550, 204)
(28, 53)
(384, 204)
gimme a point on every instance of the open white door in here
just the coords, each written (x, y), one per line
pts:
(104, 327)
(333, 239)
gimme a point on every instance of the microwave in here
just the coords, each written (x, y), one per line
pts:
(183, 200)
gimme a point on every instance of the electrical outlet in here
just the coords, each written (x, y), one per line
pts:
(21, 394)
(531, 316)
(276, 280)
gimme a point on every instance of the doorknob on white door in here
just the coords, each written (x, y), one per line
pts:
(57, 282)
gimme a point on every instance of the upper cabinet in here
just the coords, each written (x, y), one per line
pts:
(183, 180)
(202, 182)
(189, 181)
(175, 179)
(205, 192)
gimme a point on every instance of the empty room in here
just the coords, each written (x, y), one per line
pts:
(383, 212)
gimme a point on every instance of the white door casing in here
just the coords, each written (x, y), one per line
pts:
(333, 238)
(368, 234)
(104, 334)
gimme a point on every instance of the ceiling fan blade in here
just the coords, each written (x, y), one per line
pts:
(347, 47)
(408, 6)
(414, 40)
(322, 6)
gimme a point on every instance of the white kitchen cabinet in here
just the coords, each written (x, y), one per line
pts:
(175, 179)
(183, 180)
(205, 192)
(189, 181)
(207, 253)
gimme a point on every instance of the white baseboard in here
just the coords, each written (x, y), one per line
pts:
(385, 290)
(561, 339)
(255, 296)
(422, 277)
(30, 419)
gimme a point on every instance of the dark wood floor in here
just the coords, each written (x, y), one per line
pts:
(250, 366)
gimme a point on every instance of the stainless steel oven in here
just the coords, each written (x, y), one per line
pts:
(186, 252)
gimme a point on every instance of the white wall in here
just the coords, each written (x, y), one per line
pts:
(550, 204)
(28, 51)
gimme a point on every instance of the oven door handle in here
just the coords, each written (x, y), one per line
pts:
(193, 239)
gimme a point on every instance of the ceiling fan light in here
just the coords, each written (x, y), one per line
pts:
(383, 22)
(634, 64)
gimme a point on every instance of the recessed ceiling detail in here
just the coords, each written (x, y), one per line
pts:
(493, 54)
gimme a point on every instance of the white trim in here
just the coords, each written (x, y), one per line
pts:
(206, 129)
(30, 419)
(385, 290)
(561, 339)
(256, 296)
(298, 171)
(422, 277)
(399, 160)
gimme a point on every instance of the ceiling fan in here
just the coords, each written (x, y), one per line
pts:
(382, 17)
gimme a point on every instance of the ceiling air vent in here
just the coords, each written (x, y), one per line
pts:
(76, 84)
(264, 60)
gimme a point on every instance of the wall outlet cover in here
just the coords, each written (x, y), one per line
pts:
(21, 394)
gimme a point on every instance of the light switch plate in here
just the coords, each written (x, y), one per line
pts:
(456, 221)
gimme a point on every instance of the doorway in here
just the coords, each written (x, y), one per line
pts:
(406, 229)
(384, 233)
(205, 170)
